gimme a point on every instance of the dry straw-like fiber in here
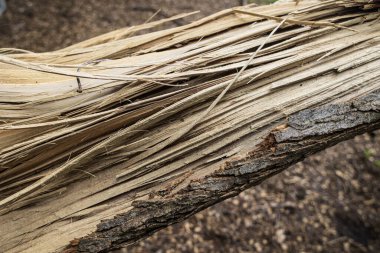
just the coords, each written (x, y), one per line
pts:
(153, 107)
(134, 85)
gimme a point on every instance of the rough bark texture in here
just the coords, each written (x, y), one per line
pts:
(305, 133)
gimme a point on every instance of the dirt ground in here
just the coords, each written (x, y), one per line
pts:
(40, 25)
(328, 203)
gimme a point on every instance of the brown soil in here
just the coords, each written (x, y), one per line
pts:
(39, 25)
(328, 203)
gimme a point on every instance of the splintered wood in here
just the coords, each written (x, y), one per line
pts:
(88, 129)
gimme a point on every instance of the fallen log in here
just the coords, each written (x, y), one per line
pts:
(106, 141)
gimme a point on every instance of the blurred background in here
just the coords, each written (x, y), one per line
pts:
(328, 203)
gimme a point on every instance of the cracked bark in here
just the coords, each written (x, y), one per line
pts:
(304, 133)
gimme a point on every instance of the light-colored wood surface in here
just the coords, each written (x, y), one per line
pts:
(69, 159)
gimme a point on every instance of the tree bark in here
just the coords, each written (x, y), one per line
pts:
(304, 133)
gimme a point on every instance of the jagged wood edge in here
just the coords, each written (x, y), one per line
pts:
(305, 133)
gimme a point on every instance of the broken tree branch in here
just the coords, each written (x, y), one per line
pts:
(140, 147)
(303, 134)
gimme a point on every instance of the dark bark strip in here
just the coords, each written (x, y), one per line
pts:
(306, 133)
